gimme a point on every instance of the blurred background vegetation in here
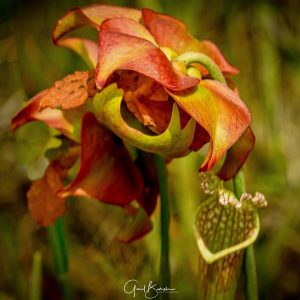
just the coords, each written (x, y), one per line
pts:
(261, 38)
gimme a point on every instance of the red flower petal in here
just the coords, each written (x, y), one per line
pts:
(237, 155)
(140, 221)
(157, 114)
(45, 205)
(148, 198)
(172, 33)
(219, 111)
(107, 172)
(92, 15)
(70, 92)
(31, 112)
(121, 51)
(201, 138)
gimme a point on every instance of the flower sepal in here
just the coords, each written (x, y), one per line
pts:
(108, 106)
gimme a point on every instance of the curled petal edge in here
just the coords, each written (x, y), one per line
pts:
(92, 15)
(108, 107)
(32, 112)
(119, 51)
(185, 140)
(86, 49)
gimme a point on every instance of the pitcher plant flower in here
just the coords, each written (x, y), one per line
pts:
(151, 88)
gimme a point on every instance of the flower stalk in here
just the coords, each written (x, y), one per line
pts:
(251, 289)
(57, 239)
(36, 277)
(249, 259)
(165, 221)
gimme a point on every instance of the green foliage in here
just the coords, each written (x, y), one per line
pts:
(33, 139)
(32, 142)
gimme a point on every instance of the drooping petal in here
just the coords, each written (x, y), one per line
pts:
(121, 51)
(92, 15)
(237, 155)
(31, 112)
(107, 172)
(139, 225)
(86, 49)
(172, 33)
(44, 204)
(148, 198)
(70, 92)
(219, 111)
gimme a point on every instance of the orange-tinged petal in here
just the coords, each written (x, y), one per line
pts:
(128, 26)
(121, 51)
(237, 155)
(70, 92)
(140, 86)
(210, 49)
(107, 172)
(92, 15)
(44, 204)
(52, 117)
(154, 114)
(219, 111)
(146, 99)
(172, 33)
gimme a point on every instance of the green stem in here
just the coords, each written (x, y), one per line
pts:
(204, 60)
(165, 220)
(36, 277)
(250, 274)
(239, 185)
(57, 238)
(249, 260)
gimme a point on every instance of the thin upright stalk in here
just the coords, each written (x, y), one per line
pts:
(249, 259)
(57, 238)
(250, 274)
(165, 220)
